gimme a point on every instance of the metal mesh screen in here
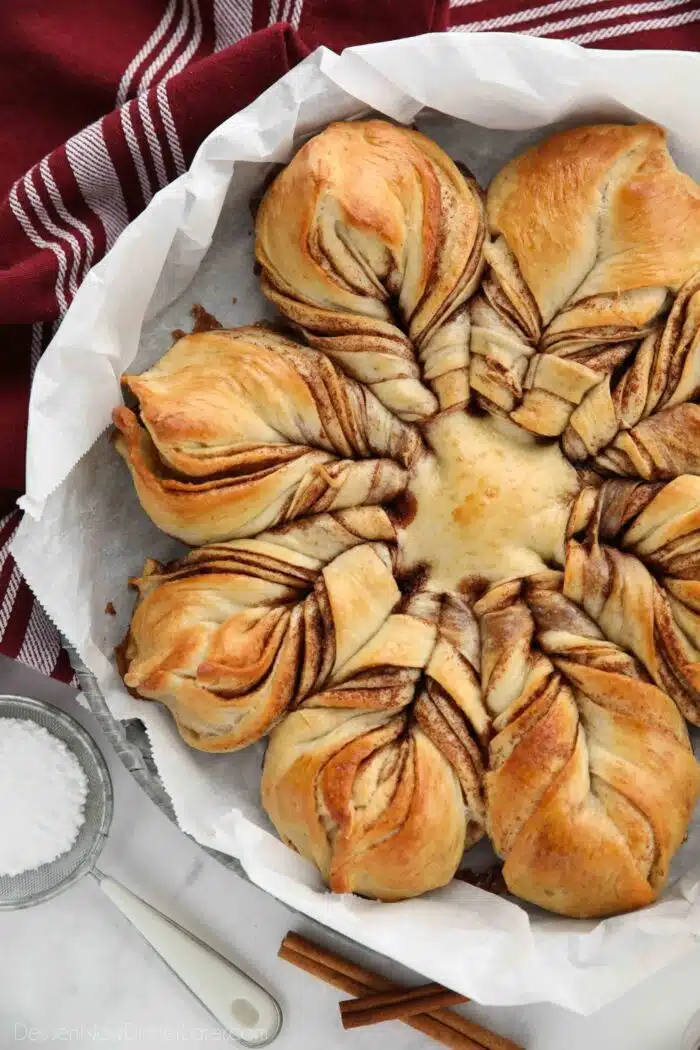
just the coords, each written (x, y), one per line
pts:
(38, 884)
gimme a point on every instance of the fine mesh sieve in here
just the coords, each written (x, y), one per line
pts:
(39, 884)
(237, 1002)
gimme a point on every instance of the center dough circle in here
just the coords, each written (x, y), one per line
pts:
(490, 501)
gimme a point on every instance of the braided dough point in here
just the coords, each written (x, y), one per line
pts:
(233, 634)
(591, 779)
(382, 794)
(238, 431)
(371, 241)
(596, 236)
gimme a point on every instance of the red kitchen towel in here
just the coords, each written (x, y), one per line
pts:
(146, 81)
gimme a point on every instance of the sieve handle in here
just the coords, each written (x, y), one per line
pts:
(238, 1003)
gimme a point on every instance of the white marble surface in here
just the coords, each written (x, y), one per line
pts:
(73, 971)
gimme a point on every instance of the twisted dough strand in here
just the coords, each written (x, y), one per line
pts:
(645, 597)
(371, 242)
(386, 800)
(591, 779)
(651, 431)
(234, 634)
(240, 430)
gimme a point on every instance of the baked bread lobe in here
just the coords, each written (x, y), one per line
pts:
(591, 781)
(378, 779)
(594, 233)
(371, 241)
(632, 563)
(448, 554)
(601, 224)
(234, 634)
(237, 431)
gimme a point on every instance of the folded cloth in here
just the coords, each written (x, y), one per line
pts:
(672, 24)
(146, 82)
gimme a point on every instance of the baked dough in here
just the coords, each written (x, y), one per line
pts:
(371, 241)
(633, 564)
(233, 634)
(595, 235)
(591, 781)
(452, 553)
(237, 431)
(378, 777)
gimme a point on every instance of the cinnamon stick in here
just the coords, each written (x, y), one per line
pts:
(444, 1026)
(405, 995)
(483, 1036)
(371, 981)
(434, 1029)
(387, 1006)
(324, 973)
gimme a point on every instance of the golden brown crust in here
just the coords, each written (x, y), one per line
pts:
(233, 634)
(240, 430)
(368, 215)
(595, 234)
(594, 211)
(384, 799)
(591, 779)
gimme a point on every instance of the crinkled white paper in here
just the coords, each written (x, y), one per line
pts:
(483, 98)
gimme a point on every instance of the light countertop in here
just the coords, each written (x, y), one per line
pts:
(73, 971)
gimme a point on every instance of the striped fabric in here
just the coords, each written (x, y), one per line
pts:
(653, 24)
(106, 103)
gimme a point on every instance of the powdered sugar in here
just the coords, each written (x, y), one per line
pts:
(42, 796)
